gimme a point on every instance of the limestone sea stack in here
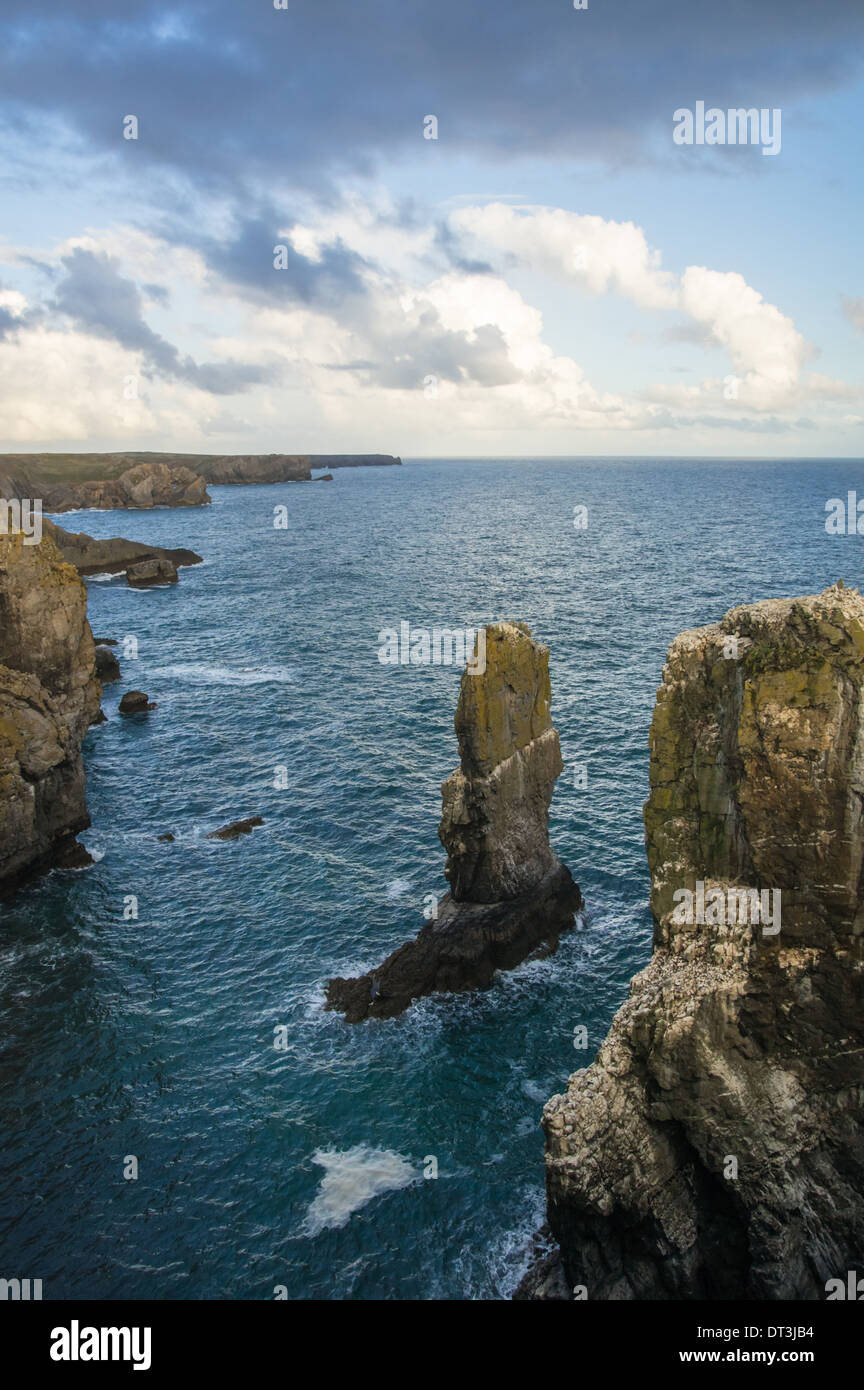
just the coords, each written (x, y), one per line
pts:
(715, 1147)
(509, 895)
(49, 696)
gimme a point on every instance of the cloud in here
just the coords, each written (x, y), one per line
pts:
(602, 257)
(431, 352)
(237, 96)
(101, 301)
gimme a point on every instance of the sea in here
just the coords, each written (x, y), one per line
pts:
(181, 1118)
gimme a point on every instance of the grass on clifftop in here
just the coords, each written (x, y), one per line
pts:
(88, 468)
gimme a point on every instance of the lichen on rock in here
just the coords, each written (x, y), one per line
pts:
(714, 1149)
(509, 895)
(49, 696)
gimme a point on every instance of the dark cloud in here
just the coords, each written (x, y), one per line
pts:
(246, 258)
(447, 241)
(8, 322)
(231, 94)
(408, 359)
(98, 298)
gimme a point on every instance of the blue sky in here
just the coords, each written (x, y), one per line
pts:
(551, 275)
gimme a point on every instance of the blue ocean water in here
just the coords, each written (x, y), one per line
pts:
(154, 1038)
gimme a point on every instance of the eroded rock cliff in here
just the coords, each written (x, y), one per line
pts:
(715, 1147)
(144, 485)
(49, 695)
(509, 894)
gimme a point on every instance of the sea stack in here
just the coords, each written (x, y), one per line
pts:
(49, 696)
(715, 1147)
(510, 895)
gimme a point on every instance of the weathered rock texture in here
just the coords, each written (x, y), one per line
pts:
(151, 573)
(509, 893)
(734, 1044)
(112, 556)
(144, 485)
(49, 695)
(263, 468)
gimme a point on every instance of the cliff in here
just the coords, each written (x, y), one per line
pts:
(68, 482)
(143, 486)
(714, 1148)
(111, 556)
(509, 894)
(264, 468)
(49, 695)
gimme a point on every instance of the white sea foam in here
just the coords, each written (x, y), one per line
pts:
(352, 1177)
(398, 887)
(199, 674)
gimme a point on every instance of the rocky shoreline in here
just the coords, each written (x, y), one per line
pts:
(108, 482)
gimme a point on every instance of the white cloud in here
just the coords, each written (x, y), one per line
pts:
(353, 377)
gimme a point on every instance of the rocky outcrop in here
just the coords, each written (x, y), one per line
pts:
(66, 482)
(255, 468)
(113, 556)
(136, 702)
(49, 696)
(236, 828)
(145, 485)
(509, 893)
(714, 1149)
(107, 665)
(148, 574)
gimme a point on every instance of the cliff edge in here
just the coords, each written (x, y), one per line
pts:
(49, 695)
(715, 1149)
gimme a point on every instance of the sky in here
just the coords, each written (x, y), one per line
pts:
(459, 228)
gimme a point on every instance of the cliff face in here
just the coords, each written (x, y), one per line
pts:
(715, 1146)
(262, 468)
(144, 485)
(510, 894)
(495, 814)
(49, 695)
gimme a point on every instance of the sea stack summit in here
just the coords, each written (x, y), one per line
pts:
(510, 895)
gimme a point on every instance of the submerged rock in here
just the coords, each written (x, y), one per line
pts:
(714, 1149)
(136, 702)
(235, 828)
(49, 696)
(509, 894)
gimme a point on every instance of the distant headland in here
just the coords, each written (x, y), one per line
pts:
(69, 482)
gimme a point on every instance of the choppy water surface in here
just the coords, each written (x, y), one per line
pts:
(155, 1037)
